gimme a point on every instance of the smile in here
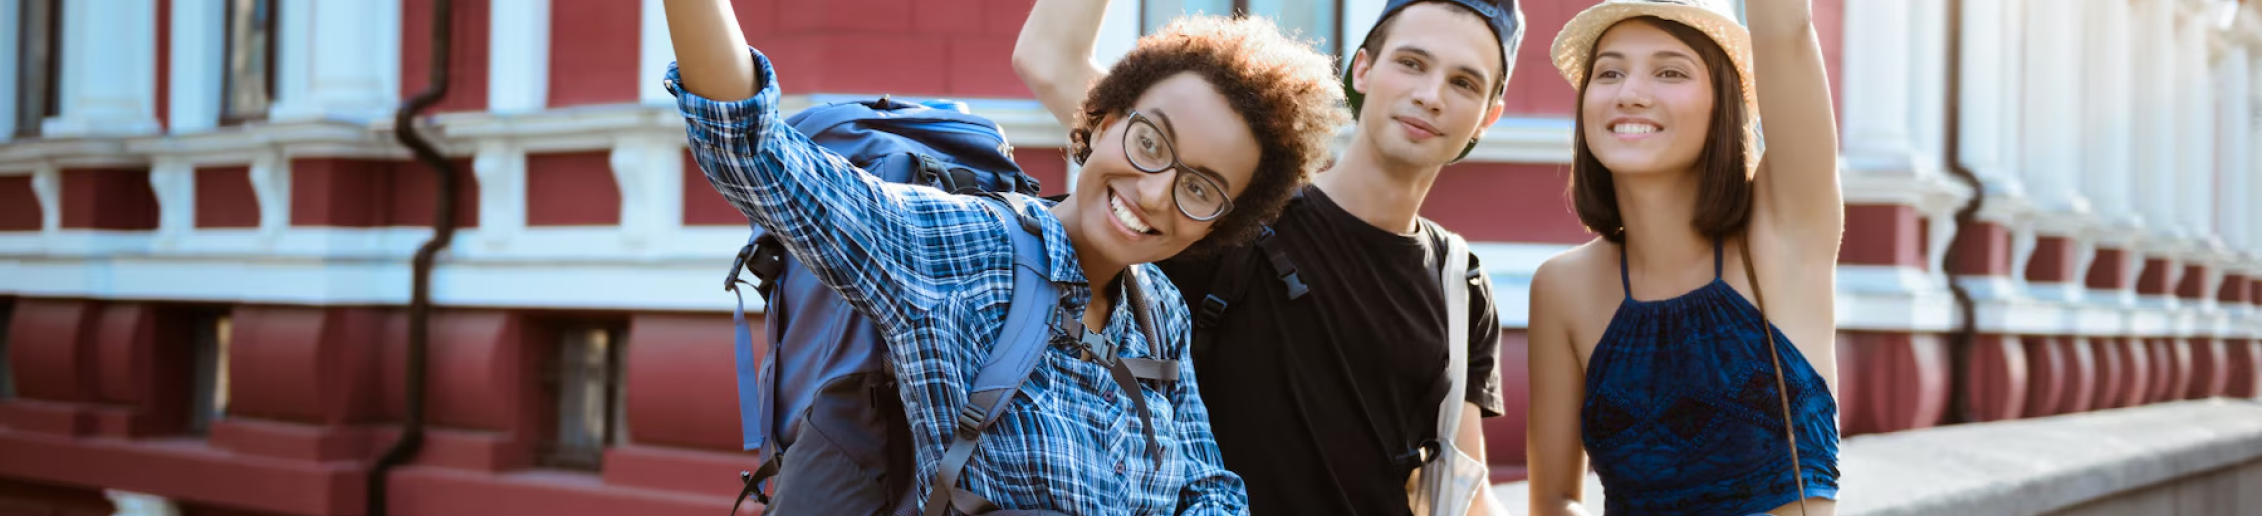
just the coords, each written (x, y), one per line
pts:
(1633, 128)
(1124, 215)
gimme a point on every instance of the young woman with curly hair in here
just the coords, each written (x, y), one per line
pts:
(1204, 130)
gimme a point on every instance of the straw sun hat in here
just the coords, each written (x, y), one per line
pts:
(1715, 18)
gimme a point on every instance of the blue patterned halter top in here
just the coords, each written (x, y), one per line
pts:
(1681, 415)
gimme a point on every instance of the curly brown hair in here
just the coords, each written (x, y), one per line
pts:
(1280, 86)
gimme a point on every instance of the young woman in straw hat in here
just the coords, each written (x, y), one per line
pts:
(1688, 349)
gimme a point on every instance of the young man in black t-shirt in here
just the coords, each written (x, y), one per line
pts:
(1324, 390)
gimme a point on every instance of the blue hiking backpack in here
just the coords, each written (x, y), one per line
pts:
(826, 370)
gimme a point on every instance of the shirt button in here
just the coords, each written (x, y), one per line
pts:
(1108, 396)
(1119, 467)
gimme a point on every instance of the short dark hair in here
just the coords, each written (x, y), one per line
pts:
(1723, 191)
(1381, 35)
(1281, 87)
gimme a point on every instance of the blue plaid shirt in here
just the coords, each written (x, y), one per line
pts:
(934, 272)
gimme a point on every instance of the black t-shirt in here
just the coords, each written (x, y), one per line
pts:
(1319, 402)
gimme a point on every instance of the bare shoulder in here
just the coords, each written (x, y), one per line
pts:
(1577, 281)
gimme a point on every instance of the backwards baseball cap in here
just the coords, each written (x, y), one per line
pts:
(1505, 18)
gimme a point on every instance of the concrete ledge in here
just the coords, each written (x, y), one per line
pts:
(2030, 466)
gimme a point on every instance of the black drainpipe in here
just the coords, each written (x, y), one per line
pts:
(443, 231)
(1967, 324)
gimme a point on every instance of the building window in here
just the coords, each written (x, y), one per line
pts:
(586, 376)
(210, 392)
(1310, 20)
(249, 80)
(39, 53)
(7, 372)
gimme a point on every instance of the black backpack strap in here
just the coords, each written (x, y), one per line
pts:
(764, 256)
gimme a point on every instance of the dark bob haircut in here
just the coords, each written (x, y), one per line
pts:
(1724, 188)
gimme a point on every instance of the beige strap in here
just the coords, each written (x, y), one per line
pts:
(1782, 391)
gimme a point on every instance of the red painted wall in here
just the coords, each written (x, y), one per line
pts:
(1506, 202)
(1982, 248)
(1882, 235)
(108, 199)
(571, 189)
(960, 48)
(1537, 89)
(224, 198)
(594, 52)
(467, 61)
(19, 206)
(367, 193)
(2053, 261)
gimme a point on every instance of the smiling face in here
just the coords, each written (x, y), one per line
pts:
(1124, 215)
(1647, 106)
(1430, 86)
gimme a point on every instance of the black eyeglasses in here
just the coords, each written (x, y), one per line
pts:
(1200, 195)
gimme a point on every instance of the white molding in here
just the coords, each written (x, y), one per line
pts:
(109, 75)
(499, 167)
(654, 52)
(47, 186)
(518, 67)
(341, 60)
(10, 28)
(649, 172)
(199, 62)
(271, 187)
(173, 180)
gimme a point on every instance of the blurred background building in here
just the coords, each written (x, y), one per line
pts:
(205, 229)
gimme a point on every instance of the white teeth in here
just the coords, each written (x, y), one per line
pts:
(1124, 215)
(1633, 129)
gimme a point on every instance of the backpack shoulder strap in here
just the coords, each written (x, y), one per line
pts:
(1230, 281)
(1163, 372)
(1453, 278)
(1011, 358)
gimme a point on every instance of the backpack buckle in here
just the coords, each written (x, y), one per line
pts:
(731, 281)
(1213, 309)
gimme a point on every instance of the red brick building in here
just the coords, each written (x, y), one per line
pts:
(205, 229)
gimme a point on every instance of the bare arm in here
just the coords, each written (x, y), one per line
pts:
(710, 51)
(1054, 54)
(1556, 457)
(1797, 183)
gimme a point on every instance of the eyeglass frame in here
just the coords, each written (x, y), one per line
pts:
(1176, 166)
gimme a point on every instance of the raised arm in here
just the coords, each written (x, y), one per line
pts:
(887, 248)
(710, 49)
(1054, 54)
(1797, 180)
(1552, 449)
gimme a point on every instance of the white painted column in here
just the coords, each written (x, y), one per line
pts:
(2049, 138)
(2195, 128)
(10, 31)
(2156, 107)
(648, 169)
(654, 52)
(1876, 71)
(518, 67)
(339, 60)
(1990, 95)
(108, 82)
(2109, 107)
(2234, 123)
(173, 180)
(1927, 81)
(2253, 121)
(198, 57)
(500, 168)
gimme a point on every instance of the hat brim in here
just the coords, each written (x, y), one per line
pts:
(1576, 42)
